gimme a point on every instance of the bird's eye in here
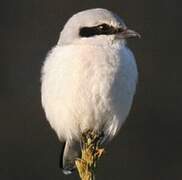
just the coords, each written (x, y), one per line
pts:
(103, 27)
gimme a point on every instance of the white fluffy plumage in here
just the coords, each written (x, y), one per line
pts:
(88, 82)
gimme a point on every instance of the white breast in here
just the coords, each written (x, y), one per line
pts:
(88, 87)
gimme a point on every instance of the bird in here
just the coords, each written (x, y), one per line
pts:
(88, 79)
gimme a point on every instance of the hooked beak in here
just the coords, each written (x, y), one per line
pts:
(128, 33)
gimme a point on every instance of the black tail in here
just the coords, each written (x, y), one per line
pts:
(61, 156)
(70, 151)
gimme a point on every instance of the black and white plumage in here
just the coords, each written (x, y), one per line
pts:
(89, 79)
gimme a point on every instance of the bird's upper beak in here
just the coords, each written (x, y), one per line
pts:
(128, 33)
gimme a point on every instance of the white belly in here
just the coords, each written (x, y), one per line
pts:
(83, 90)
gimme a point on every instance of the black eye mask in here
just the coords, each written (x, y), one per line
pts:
(103, 29)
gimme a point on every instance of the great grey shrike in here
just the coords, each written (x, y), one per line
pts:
(88, 79)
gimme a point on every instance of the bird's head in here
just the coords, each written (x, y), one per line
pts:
(95, 26)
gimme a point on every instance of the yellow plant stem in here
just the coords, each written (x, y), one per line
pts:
(90, 153)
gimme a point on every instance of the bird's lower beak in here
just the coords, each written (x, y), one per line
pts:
(128, 33)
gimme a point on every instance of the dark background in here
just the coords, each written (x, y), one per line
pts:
(149, 146)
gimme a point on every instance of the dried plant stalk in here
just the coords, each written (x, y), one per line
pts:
(90, 154)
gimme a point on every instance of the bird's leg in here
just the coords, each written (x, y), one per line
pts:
(90, 153)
